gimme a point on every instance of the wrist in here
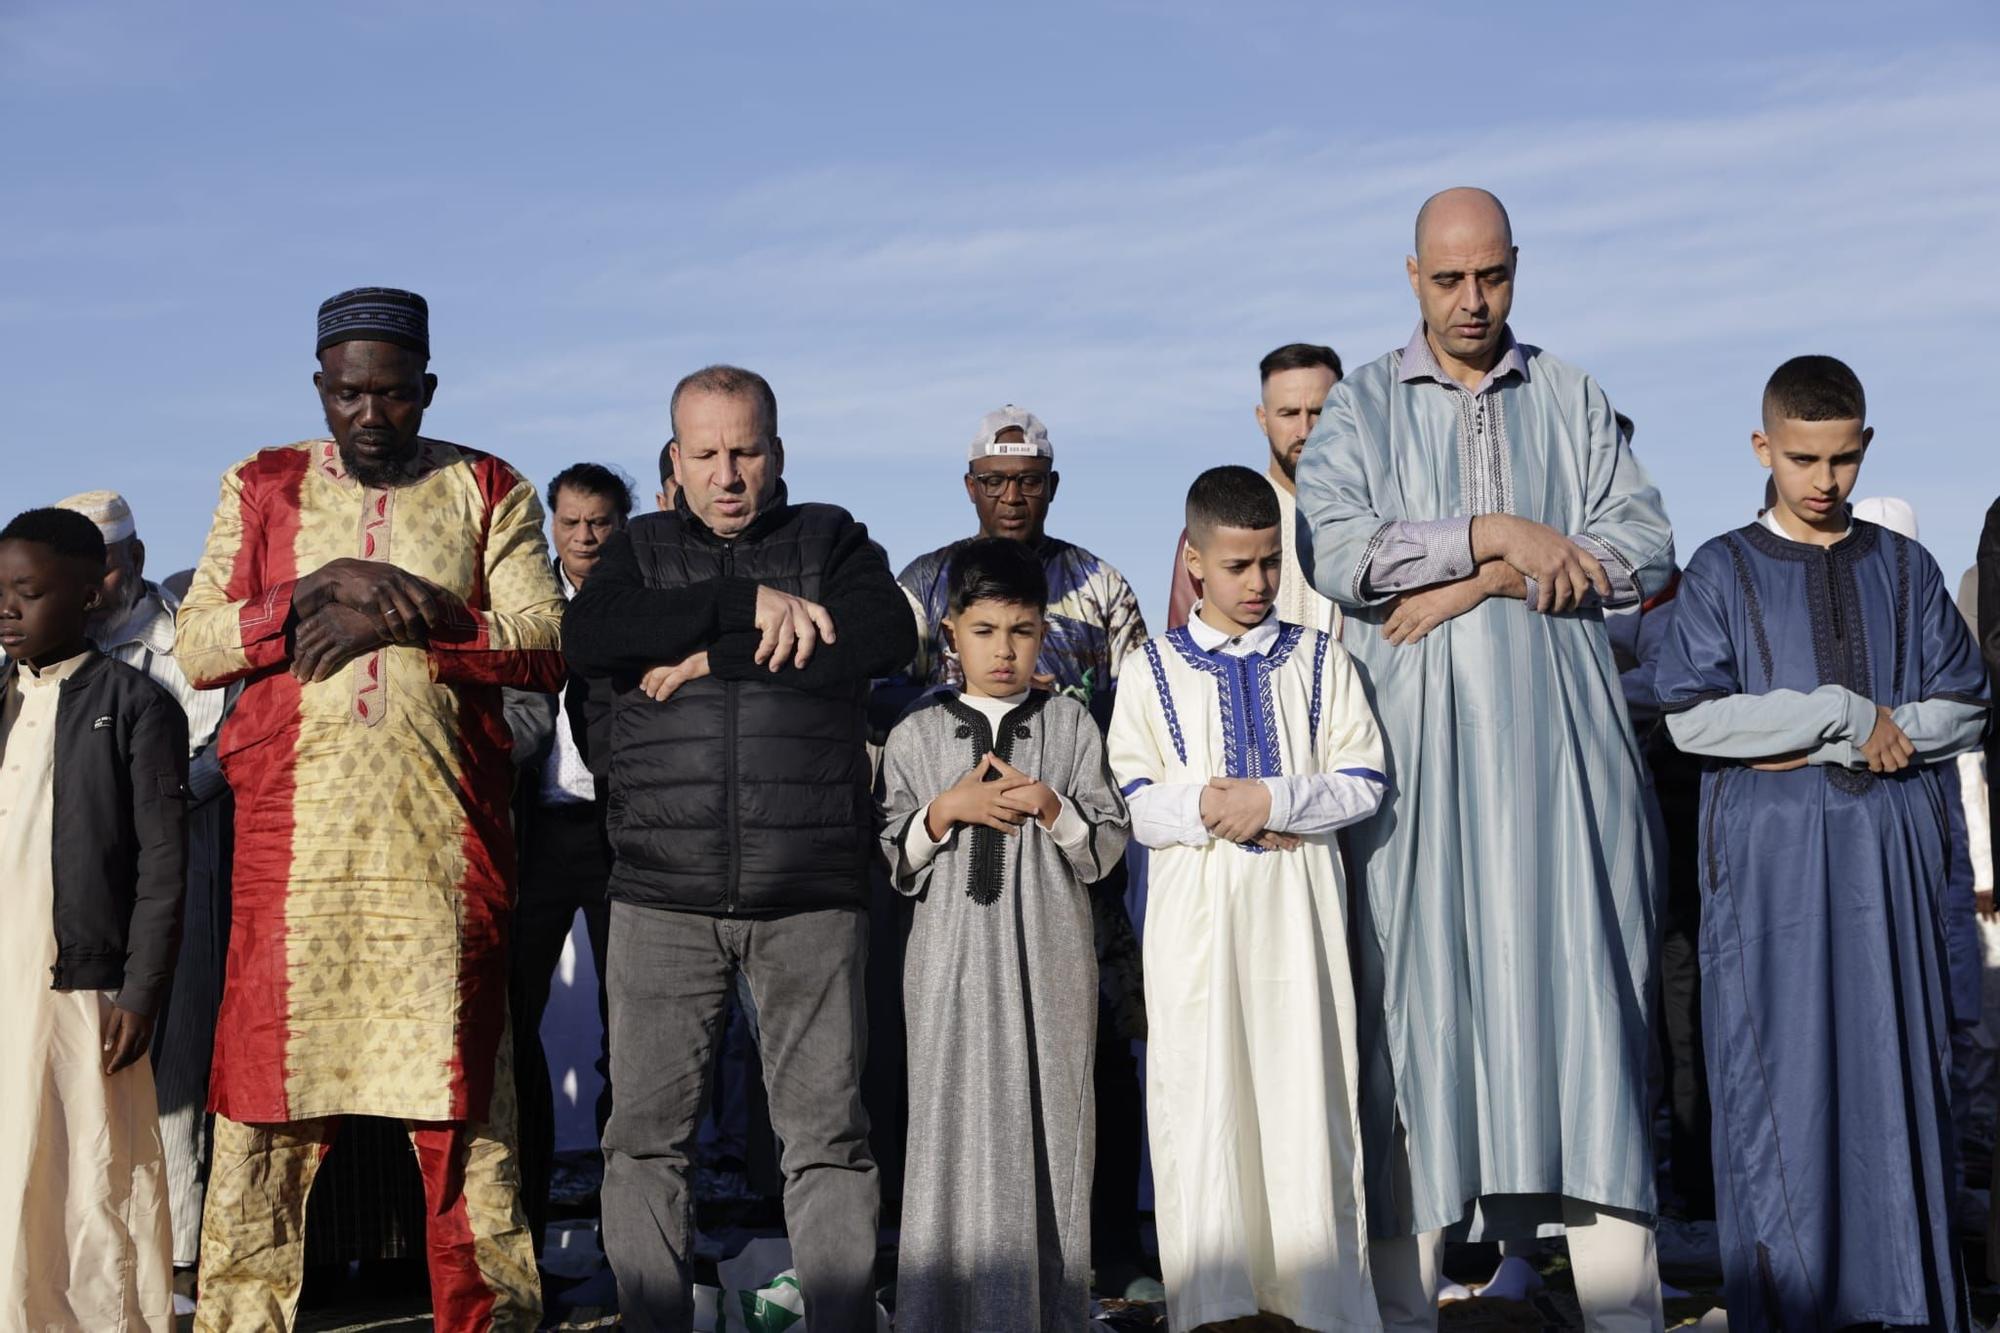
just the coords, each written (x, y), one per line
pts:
(1488, 537)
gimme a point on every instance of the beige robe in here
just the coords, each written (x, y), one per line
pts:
(84, 1237)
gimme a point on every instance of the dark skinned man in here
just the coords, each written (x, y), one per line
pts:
(374, 591)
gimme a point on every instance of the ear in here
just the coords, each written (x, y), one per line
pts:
(1410, 267)
(430, 387)
(319, 383)
(139, 552)
(1760, 444)
(1262, 424)
(948, 636)
(972, 489)
(777, 457)
(1055, 481)
(1191, 558)
(1867, 434)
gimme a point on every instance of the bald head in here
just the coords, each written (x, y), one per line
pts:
(1464, 213)
(1463, 278)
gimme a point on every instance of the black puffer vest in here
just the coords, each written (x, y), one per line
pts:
(740, 797)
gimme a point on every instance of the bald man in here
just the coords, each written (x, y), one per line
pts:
(1472, 506)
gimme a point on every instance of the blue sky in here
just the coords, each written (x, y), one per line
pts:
(907, 214)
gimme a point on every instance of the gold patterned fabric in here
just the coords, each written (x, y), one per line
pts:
(374, 859)
(482, 1259)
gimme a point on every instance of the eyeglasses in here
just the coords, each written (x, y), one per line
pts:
(993, 485)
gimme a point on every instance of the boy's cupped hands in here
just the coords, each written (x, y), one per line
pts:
(995, 794)
(1237, 810)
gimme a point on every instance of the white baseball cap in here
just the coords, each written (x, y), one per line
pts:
(1034, 445)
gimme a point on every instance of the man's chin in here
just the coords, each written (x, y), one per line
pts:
(380, 469)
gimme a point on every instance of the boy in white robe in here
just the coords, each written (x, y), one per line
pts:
(93, 778)
(1241, 745)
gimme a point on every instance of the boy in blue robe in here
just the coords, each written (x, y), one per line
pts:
(1818, 666)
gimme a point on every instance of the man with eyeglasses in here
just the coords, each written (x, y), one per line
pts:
(1094, 621)
(1094, 617)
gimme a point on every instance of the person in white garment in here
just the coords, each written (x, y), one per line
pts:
(93, 772)
(135, 625)
(1295, 380)
(1242, 743)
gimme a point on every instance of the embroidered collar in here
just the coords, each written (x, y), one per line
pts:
(1860, 540)
(431, 455)
(1419, 362)
(1769, 518)
(1259, 638)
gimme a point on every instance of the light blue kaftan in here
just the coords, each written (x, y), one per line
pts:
(1505, 894)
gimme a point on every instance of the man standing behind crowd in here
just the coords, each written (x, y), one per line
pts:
(136, 626)
(1296, 380)
(559, 819)
(1472, 503)
(1093, 622)
(742, 632)
(375, 591)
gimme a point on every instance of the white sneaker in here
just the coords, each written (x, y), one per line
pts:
(1514, 1280)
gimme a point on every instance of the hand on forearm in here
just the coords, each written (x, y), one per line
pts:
(331, 638)
(1563, 572)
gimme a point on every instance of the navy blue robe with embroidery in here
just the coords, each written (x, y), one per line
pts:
(1823, 960)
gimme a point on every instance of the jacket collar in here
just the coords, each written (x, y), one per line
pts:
(93, 662)
(769, 521)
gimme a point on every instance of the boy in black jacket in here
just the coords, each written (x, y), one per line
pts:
(93, 775)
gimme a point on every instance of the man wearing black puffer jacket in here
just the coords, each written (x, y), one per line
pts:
(741, 632)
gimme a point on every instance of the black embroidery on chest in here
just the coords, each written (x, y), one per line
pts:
(1902, 610)
(987, 850)
(1833, 608)
(1756, 608)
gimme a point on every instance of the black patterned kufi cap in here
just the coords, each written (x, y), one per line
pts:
(376, 314)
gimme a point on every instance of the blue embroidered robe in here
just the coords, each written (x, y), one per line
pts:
(1823, 952)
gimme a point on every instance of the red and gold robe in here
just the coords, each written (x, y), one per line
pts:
(374, 860)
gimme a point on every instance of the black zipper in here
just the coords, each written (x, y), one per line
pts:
(730, 902)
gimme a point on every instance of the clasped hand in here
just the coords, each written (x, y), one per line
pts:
(349, 607)
(1237, 810)
(1563, 572)
(993, 794)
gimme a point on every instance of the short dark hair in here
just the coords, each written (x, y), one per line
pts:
(592, 479)
(732, 380)
(996, 569)
(1232, 496)
(1299, 356)
(1814, 388)
(63, 531)
(666, 463)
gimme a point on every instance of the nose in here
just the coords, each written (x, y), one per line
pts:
(371, 415)
(1472, 297)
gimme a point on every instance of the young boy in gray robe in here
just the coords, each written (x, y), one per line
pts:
(1001, 812)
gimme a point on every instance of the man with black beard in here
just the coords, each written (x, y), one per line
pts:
(1295, 379)
(374, 590)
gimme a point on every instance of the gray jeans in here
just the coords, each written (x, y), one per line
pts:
(669, 979)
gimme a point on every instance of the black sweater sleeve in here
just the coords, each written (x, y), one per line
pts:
(875, 631)
(159, 766)
(619, 627)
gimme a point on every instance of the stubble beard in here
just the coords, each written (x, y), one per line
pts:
(384, 473)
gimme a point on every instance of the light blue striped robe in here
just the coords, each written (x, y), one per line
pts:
(1505, 894)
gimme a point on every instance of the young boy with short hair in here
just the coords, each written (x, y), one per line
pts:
(1000, 815)
(1242, 745)
(1817, 664)
(93, 780)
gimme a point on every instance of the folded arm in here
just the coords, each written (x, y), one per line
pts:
(875, 632)
(618, 627)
